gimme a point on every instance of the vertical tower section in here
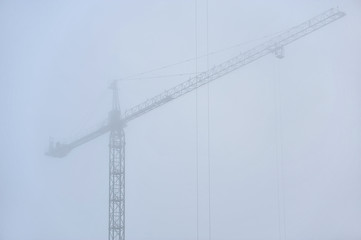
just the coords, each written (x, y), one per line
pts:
(116, 170)
(117, 185)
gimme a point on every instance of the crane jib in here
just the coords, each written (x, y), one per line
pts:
(274, 45)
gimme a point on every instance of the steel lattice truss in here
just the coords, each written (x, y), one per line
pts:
(117, 184)
(275, 45)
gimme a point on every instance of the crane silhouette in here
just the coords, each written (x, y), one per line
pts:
(117, 122)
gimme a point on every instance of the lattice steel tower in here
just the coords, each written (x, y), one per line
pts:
(116, 171)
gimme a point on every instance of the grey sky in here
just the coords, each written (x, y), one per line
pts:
(293, 123)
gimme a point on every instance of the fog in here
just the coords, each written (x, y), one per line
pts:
(277, 142)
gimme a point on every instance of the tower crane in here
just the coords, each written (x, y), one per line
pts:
(117, 121)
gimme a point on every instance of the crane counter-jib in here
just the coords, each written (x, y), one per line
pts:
(60, 149)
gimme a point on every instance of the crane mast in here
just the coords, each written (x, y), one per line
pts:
(116, 213)
(116, 123)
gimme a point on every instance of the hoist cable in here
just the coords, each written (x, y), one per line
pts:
(196, 119)
(208, 127)
(279, 155)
